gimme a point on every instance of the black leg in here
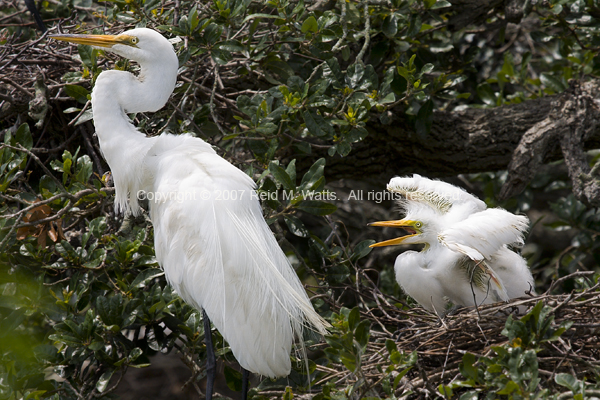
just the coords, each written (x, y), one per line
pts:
(211, 360)
(245, 376)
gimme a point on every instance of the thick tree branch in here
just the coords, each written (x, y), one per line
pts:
(572, 119)
(475, 140)
(469, 12)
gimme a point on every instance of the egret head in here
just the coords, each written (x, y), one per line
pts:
(141, 44)
(421, 229)
(428, 206)
(153, 85)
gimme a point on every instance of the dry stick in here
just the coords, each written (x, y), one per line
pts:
(11, 231)
(29, 44)
(85, 107)
(15, 199)
(17, 86)
(341, 40)
(19, 147)
(446, 360)
(71, 203)
(88, 144)
(212, 98)
(63, 145)
(570, 276)
(366, 34)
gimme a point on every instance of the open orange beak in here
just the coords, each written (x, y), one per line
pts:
(106, 41)
(406, 224)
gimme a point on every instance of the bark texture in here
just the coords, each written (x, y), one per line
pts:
(520, 137)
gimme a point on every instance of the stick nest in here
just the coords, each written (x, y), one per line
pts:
(441, 343)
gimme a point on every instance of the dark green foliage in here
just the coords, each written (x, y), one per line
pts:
(513, 370)
(82, 298)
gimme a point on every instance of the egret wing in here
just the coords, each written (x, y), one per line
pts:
(481, 235)
(484, 233)
(219, 254)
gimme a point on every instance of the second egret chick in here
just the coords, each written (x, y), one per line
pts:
(466, 259)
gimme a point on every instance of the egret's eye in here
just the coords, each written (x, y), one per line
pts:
(134, 40)
(418, 224)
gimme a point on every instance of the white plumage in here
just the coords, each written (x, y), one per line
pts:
(211, 239)
(466, 259)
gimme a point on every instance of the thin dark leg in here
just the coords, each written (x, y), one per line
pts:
(245, 377)
(211, 360)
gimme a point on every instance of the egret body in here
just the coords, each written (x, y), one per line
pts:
(210, 236)
(466, 259)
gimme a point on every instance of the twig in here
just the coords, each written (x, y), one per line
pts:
(366, 34)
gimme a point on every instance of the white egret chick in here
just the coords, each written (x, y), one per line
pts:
(210, 236)
(466, 259)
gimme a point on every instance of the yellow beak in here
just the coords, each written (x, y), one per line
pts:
(407, 224)
(106, 41)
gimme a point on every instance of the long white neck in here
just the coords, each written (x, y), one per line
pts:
(123, 146)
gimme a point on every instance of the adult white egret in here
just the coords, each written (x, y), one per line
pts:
(210, 236)
(466, 259)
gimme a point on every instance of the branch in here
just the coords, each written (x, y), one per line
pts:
(571, 120)
(524, 135)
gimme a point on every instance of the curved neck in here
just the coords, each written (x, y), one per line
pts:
(122, 145)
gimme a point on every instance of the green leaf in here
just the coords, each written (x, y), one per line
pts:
(526, 58)
(568, 381)
(424, 120)
(470, 395)
(317, 125)
(289, 394)
(333, 70)
(296, 226)
(230, 45)
(415, 25)
(363, 332)
(391, 346)
(486, 94)
(556, 9)
(79, 93)
(552, 82)
(353, 318)
(508, 66)
(144, 277)
(281, 176)
(362, 249)
(291, 170)
(309, 24)
(12, 321)
(84, 169)
(23, 136)
(96, 345)
(445, 391)
(440, 4)
(317, 207)
(87, 55)
(98, 226)
(354, 76)
(314, 174)
(233, 378)
(510, 387)
(103, 381)
(135, 354)
(349, 362)
(467, 367)
(259, 15)
(303, 147)
(390, 26)
(221, 57)
(86, 116)
(212, 33)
